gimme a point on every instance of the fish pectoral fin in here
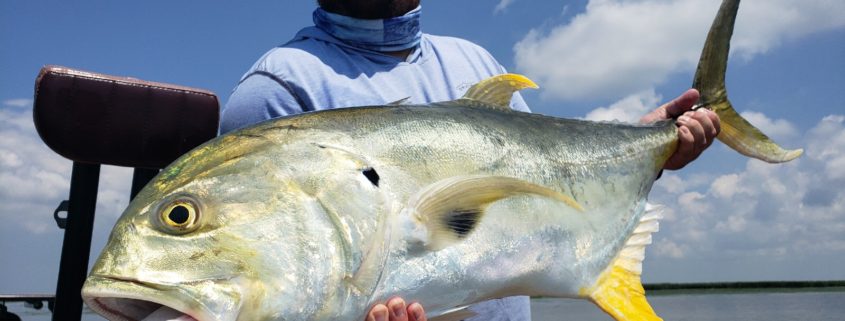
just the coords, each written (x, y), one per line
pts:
(448, 210)
(457, 314)
(619, 290)
(494, 92)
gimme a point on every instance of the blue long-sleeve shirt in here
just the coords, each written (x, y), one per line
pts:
(316, 71)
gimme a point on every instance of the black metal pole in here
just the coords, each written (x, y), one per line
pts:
(140, 178)
(76, 247)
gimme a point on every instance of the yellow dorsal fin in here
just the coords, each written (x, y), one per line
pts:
(497, 91)
(619, 290)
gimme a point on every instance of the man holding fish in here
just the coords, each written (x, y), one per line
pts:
(332, 214)
(371, 52)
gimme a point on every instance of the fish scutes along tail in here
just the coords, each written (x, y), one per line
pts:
(619, 290)
(737, 132)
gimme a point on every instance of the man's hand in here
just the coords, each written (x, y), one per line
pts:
(396, 310)
(696, 129)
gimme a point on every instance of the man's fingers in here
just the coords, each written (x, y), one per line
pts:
(682, 104)
(690, 121)
(696, 129)
(714, 119)
(397, 309)
(674, 108)
(416, 312)
(378, 313)
(685, 147)
(706, 125)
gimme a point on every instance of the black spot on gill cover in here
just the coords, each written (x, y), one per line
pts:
(463, 221)
(371, 175)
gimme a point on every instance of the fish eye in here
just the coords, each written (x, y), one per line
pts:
(180, 215)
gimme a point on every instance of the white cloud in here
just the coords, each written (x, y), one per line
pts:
(113, 194)
(36, 179)
(763, 25)
(620, 47)
(9, 159)
(734, 223)
(763, 210)
(671, 183)
(667, 248)
(778, 129)
(19, 103)
(828, 145)
(693, 203)
(629, 109)
(725, 186)
(503, 4)
(836, 167)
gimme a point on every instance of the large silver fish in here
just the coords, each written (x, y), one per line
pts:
(317, 216)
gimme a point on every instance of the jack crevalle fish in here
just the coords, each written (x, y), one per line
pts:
(319, 216)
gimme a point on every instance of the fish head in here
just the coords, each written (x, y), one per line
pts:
(234, 230)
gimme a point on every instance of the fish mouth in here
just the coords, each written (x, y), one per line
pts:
(119, 299)
(125, 309)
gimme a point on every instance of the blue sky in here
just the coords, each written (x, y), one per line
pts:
(729, 218)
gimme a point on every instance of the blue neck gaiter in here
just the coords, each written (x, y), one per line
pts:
(393, 34)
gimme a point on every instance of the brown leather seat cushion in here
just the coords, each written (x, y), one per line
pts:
(94, 118)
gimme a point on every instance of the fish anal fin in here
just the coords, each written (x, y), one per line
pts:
(447, 211)
(495, 92)
(620, 293)
(619, 290)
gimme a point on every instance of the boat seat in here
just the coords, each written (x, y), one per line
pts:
(95, 119)
(101, 119)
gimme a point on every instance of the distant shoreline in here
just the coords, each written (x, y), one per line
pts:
(733, 287)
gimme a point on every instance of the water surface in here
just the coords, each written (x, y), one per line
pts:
(747, 306)
(734, 306)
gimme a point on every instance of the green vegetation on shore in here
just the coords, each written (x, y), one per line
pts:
(761, 286)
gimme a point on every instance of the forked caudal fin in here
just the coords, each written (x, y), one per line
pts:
(619, 290)
(737, 133)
